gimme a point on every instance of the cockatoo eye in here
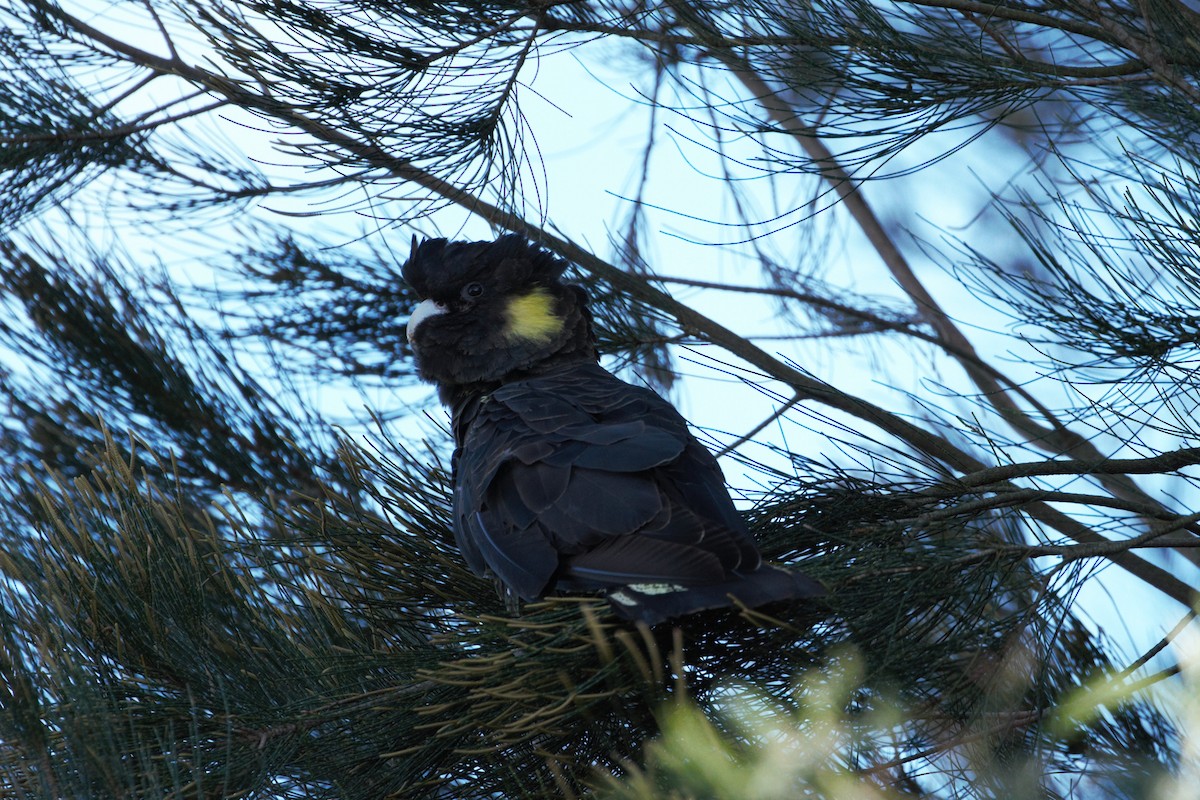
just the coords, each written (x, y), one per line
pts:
(472, 290)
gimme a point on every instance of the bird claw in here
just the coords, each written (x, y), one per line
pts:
(512, 603)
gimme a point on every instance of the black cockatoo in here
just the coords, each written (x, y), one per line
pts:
(565, 476)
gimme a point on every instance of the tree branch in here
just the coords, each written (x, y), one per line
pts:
(1009, 497)
(1165, 462)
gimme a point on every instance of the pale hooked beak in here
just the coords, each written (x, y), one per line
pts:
(424, 310)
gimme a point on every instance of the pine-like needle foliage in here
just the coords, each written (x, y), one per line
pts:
(218, 580)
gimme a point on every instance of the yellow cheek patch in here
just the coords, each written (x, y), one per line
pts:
(531, 317)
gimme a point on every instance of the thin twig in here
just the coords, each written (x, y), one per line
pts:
(1159, 646)
(1009, 497)
(119, 132)
(758, 428)
(1165, 462)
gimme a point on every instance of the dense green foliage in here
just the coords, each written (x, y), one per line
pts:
(216, 583)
